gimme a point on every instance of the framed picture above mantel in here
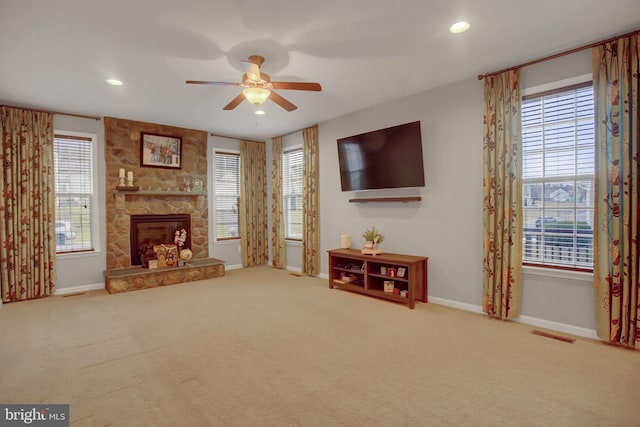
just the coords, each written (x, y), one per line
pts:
(160, 151)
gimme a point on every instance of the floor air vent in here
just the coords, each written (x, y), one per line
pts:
(553, 336)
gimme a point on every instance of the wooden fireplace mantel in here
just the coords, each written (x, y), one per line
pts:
(122, 197)
(155, 193)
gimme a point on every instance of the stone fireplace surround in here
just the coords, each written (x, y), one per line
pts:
(122, 150)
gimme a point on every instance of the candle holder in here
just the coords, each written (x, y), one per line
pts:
(121, 181)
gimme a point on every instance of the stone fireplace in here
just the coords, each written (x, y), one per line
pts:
(158, 188)
(155, 209)
(156, 230)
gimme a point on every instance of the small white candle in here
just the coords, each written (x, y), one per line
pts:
(121, 172)
(130, 176)
(345, 241)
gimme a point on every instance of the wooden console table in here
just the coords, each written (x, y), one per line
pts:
(406, 275)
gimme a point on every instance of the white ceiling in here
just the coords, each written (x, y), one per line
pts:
(57, 54)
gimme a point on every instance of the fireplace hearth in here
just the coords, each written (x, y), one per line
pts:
(156, 230)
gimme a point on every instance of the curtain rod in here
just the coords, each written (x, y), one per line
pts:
(560, 54)
(62, 113)
(295, 131)
(234, 137)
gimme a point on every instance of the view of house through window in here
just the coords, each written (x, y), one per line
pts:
(227, 195)
(292, 193)
(73, 169)
(558, 165)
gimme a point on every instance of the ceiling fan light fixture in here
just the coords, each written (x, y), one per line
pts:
(256, 95)
(259, 112)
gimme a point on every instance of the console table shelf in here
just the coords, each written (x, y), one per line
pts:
(350, 270)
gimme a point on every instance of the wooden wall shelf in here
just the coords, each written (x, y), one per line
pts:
(386, 199)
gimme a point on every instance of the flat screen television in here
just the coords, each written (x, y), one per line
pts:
(384, 158)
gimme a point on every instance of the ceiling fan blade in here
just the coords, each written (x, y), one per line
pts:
(297, 86)
(202, 82)
(234, 102)
(282, 102)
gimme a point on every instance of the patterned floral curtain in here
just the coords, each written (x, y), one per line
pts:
(277, 216)
(616, 81)
(310, 202)
(27, 205)
(502, 194)
(253, 203)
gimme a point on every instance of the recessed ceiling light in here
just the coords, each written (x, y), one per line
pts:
(259, 113)
(459, 27)
(114, 82)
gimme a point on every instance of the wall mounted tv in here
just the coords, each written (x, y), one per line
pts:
(384, 158)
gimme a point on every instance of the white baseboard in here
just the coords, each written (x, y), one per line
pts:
(233, 267)
(294, 269)
(456, 304)
(556, 326)
(76, 289)
(528, 320)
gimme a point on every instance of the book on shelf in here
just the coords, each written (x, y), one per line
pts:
(347, 278)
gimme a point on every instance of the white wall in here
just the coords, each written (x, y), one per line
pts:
(85, 270)
(563, 297)
(292, 249)
(229, 250)
(446, 225)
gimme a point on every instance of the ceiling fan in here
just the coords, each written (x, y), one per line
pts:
(258, 86)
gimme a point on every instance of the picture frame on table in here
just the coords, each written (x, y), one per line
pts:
(160, 151)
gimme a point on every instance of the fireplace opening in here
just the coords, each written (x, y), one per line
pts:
(156, 230)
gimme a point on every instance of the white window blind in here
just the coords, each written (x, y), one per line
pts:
(227, 195)
(292, 193)
(558, 148)
(73, 170)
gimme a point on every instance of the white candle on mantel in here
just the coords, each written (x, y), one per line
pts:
(130, 176)
(121, 172)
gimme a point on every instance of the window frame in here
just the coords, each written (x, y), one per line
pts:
(561, 86)
(94, 211)
(228, 152)
(286, 151)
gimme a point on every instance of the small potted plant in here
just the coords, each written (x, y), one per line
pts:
(372, 238)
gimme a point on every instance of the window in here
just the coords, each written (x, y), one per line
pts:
(73, 169)
(227, 195)
(292, 193)
(558, 167)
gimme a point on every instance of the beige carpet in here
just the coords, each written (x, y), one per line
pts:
(262, 347)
